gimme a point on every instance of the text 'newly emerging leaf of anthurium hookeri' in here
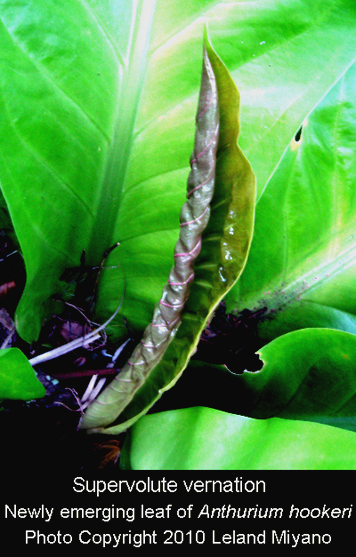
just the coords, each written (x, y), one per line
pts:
(215, 235)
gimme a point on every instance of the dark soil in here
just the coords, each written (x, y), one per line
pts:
(44, 434)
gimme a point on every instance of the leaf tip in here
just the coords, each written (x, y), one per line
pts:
(206, 38)
(207, 42)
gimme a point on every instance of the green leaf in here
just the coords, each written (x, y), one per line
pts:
(17, 378)
(206, 439)
(303, 254)
(308, 374)
(302, 314)
(97, 100)
(216, 230)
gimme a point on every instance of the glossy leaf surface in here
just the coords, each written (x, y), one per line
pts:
(97, 103)
(17, 378)
(216, 232)
(303, 254)
(221, 441)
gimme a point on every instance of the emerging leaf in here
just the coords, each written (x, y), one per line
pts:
(216, 231)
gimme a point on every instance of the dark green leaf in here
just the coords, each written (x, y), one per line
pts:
(17, 378)
(309, 374)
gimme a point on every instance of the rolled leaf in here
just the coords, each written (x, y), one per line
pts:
(221, 196)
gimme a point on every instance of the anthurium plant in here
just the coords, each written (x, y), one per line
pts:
(102, 105)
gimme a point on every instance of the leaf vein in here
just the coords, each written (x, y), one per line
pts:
(41, 69)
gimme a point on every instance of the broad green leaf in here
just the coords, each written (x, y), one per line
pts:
(58, 103)
(17, 378)
(206, 439)
(216, 231)
(304, 247)
(97, 100)
(308, 374)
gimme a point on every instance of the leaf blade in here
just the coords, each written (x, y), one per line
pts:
(17, 378)
(308, 374)
(304, 221)
(221, 441)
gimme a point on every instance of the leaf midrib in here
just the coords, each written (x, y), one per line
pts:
(118, 157)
